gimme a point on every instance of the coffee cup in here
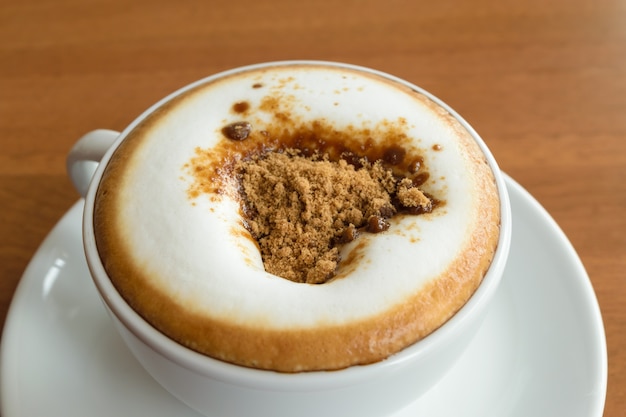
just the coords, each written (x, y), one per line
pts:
(173, 205)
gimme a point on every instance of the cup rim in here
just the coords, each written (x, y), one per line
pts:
(310, 380)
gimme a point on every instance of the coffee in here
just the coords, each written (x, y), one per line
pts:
(171, 229)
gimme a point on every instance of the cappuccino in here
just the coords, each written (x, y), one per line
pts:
(172, 217)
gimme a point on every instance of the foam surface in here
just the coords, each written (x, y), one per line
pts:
(198, 253)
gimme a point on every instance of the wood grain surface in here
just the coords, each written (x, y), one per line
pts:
(543, 82)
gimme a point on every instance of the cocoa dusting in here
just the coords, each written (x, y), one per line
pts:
(301, 209)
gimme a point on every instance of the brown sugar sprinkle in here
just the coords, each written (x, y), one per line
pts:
(301, 209)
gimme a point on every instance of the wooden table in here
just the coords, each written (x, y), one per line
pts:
(544, 82)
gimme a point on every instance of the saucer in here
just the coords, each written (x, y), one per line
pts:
(540, 352)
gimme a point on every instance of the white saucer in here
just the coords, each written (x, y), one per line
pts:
(540, 352)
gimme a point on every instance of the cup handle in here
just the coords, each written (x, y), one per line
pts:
(85, 155)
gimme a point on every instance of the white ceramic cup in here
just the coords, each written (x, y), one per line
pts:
(216, 388)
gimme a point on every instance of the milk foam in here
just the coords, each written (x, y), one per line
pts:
(196, 250)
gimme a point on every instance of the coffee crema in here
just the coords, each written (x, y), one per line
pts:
(172, 237)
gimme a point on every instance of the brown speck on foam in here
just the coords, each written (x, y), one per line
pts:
(237, 130)
(241, 107)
